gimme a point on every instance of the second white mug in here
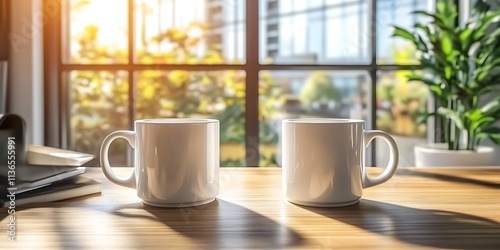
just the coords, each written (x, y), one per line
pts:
(324, 161)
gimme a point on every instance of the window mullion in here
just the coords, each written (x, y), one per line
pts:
(373, 76)
(252, 84)
(131, 85)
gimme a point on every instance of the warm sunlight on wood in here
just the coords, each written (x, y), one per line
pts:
(418, 208)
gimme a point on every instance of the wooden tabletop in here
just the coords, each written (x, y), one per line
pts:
(455, 208)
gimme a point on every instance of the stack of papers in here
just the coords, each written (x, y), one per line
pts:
(43, 155)
(52, 174)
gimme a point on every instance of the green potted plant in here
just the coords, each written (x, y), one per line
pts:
(461, 67)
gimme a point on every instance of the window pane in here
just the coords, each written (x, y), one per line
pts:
(211, 94)
(316, 32)
(399, 103)
(190, 31)
(98, 105)
(97, 32)
(286, 94)
(394, 12)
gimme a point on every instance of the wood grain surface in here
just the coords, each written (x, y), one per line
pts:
(451, 208)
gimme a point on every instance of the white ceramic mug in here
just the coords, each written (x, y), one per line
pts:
(324, 161)
(176, 161)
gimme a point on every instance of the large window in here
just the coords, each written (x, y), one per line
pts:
(247, 63)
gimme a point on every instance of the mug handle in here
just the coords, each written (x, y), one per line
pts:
(106, 168)
(393, 159)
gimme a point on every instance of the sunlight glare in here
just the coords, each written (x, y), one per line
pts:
(109, 16)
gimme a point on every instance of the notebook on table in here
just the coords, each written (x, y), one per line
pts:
(56, 191)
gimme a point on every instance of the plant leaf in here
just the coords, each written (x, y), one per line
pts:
(446, 44)
(426, 31)
(420, 78)
(447, 11)
(492, 106)
(484, 121)
(492, 132)
(480, 7)
(489, 17)
(447, 72)
(400, 32)
(421, 44)
(451, 115)
(465, 40)
(474, 114)
(437, 90)
(493, 37)
(438, 20)
(422, 117)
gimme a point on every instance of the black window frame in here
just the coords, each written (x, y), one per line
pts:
(56, 93)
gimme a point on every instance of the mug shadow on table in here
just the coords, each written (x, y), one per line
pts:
(430, 228)
(219, 224)
(446, 177)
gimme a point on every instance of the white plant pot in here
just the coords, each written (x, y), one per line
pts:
(433, 155)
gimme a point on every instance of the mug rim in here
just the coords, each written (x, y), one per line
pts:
(323, 121)
(176, 121)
